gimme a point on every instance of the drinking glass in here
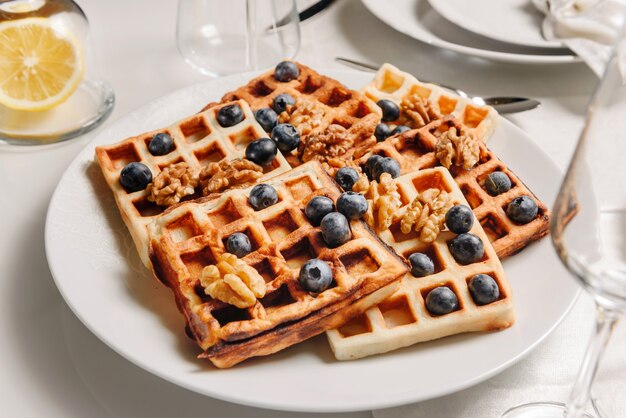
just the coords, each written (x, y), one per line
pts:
(588, 227)
(220, 37)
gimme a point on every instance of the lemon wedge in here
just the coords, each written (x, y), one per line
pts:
(39, 68)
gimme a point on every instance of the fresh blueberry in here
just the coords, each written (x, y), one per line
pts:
(385, 165)
(262, 196)
(282, 101)
(497, 182)
(267, 118)
(238, 244)
(135, 176)
(161, 144)
(317, 208)
(382, 132)
(261, 151)
(421, 265)
(391, 111)
(286, 71)
(286, 136)
(467, 248)
(230, 115)
(441, 300)
(335, 229)
(400, 129)
(315, 276)
(352, 205)
(522, 209)
(483, 289)
(346, 177)
(459, 219)
(369, 165)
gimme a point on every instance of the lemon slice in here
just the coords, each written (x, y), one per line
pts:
(38, 67)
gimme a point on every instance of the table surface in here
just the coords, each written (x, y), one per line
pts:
(52, 365)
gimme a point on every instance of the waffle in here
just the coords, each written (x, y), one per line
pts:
(338, 105)
(393, 84)
(414, 150)
(191, 235)
(403, 319)
(198, 140)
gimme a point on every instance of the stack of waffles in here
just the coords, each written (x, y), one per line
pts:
(253, 305)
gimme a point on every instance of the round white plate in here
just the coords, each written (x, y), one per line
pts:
(417, 19)
(98, 272)
(514, 21)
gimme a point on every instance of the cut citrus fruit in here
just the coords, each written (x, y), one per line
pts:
(39, 68)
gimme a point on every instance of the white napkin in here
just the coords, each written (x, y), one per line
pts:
(547, 374)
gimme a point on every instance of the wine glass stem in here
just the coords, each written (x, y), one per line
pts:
(251, 35)
(605, 321)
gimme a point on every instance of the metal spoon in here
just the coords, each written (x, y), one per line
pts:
(501, 104)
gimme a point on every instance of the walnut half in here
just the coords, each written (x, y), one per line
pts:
(217, 177)
(426, 214)
(460, 149)
(172, 184)
(383, 201)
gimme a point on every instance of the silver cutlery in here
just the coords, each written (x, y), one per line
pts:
(503, 104)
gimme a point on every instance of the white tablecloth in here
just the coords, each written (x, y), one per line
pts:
(54, 367)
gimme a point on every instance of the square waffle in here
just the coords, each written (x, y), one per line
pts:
(393, 84)
(337, 104)
(189, 236)
(198, 140)
(402, 319)
(415, 150)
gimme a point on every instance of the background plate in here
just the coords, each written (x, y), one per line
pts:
(98, 272)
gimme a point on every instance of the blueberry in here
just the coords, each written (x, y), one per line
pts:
(441, 300)
(238, 244)
(467, 248)
(421, 265)
(459, 219)
(317, 208)
(382, 132)
(282, 101)
(230, 115)
(483, 289)
(267, 118)
(369, 165)
(315, 276)
(135, 176)
(335, 229)
(262, 196)
(261, 151)
(161, 144)
(346, 177)
(352, 205)
(385, 165)
(400, 129)
(391, 111)
(522, 209)
(497, 182)
(286, 71)
(286, 136)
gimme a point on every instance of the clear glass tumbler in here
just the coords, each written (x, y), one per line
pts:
(219, 37)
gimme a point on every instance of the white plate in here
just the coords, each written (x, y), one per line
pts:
(99, 274)
(417, 19)
(514, 21)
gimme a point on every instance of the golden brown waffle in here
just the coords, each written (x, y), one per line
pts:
(403, 319)
(393, 84)
(198, 140)
(191, 235)
(335, 103)
(414, 150)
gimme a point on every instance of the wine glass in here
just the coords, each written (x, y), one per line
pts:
(589, 227)
(223, 37)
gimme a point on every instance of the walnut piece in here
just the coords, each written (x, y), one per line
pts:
(233, 281)
(426, 214)
(383, 201)
(332, 142)
(217, 177)
(172, 184)
(416, 111)
(460, 149)
(306, 115)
